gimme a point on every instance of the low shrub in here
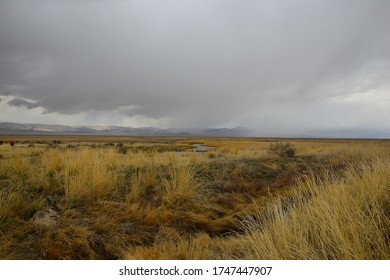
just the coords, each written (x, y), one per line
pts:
(286, 150)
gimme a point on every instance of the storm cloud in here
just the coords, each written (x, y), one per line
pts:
(17, 102)
(278, 67)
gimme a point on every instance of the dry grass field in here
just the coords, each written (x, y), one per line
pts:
(81, 197)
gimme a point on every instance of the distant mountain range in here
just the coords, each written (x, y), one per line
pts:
(48, 129)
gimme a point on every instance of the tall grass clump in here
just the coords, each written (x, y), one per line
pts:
(142, 184)
(20, 167)
(87, 176)
(9, 201)
(285, 150)
(53, 160)
(178, 181)
(347, 218)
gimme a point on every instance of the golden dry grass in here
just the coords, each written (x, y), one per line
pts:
(336, 218)
(86, 175)
(136, 198)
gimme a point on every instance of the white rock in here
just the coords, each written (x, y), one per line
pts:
(47, 217)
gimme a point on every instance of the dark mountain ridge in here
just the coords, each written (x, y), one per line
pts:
(48, 129)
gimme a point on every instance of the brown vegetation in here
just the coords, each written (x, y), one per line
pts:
(138, 198)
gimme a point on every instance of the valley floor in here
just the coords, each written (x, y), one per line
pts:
(80, 197)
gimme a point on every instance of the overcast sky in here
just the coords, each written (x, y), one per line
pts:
(281, 68)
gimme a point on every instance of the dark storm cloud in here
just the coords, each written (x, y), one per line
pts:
(17, 102)
(198, 63)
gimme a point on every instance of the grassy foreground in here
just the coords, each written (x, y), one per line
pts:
(154, 198)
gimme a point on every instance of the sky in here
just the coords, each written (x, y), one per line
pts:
(277, 67)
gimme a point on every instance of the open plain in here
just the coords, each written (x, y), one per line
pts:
(84, 197)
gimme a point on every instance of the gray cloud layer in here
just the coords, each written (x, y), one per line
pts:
(17, 102)
(271, 65)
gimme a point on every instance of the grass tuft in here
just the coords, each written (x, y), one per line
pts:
(343, 218)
